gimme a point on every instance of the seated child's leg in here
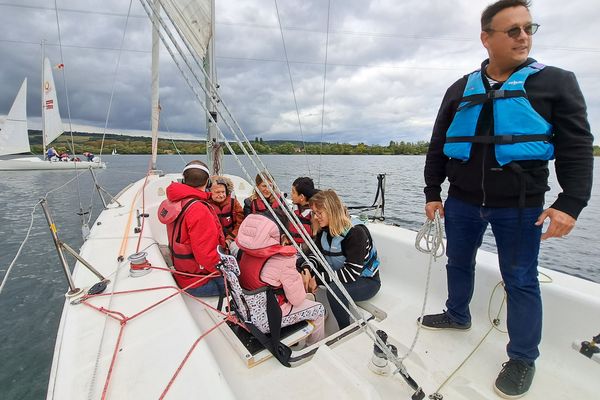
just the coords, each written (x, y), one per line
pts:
(319, 332)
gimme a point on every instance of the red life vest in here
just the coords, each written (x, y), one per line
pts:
(258, 206)
(305, 220)
(172, 213)
(251, 266)
(225, 215)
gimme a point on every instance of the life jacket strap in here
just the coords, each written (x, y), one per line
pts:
(481, 98)
(500, 139)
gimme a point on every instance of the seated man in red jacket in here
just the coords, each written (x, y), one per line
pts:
(194, 231)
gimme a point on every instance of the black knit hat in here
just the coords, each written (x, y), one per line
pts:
(305, 185)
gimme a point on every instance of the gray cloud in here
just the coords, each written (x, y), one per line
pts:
(389, 63)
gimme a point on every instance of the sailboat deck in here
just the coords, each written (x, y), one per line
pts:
(154, 344)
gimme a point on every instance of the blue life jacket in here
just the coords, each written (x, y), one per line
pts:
(520, 133)
(335, 257)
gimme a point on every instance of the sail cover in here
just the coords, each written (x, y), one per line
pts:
(193, 19)
(53, 126)
(13, 136)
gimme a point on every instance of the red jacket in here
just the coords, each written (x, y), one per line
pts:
(200, 229)
(304, 214)
(259, 237)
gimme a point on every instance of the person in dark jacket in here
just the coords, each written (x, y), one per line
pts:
(194, 232)
(495, 132)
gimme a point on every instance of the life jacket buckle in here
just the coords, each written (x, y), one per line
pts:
(495, 94)
(504, 139)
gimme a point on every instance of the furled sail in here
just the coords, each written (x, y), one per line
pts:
(193, 19)
(52, 124)
(13, 136)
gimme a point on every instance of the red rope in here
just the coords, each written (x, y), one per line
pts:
(123, 320)
(187, 356)
(113, 360)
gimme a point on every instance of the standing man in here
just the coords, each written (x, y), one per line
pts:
(494, 134)
(194, 232)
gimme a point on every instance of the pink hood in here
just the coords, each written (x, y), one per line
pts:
(257, 233)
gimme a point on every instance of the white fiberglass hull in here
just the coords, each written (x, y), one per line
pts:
(154, 343)
(34, 163)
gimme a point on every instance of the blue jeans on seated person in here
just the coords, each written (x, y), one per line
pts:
(360, 290)
(214, 287)
(518, 243)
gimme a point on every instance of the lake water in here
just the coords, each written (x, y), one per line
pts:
(31, 304)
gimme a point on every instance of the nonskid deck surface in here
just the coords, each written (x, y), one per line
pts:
(154, 344)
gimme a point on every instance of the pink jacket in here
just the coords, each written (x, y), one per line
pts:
(258, 232)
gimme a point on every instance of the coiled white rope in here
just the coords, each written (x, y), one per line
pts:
(430, 238)
(432, 234)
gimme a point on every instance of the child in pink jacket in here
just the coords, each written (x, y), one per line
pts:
(267, 261)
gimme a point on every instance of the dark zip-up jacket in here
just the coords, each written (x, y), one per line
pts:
(554, 93)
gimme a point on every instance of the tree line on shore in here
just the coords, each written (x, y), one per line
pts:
(92, 142)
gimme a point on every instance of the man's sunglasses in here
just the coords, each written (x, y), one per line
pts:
(529, 29)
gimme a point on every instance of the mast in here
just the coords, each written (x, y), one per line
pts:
(155, 100)
(214, 149)
(44, 144)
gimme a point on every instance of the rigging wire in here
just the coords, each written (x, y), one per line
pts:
(292, 85)
(382, 35)
(324, 85)
(114, 83)
(62, 61)
(64, 74)
(150, 10)
(356, 315)
(173, 141)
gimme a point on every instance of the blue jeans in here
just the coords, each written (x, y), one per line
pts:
(360, 290)
(518, 244)
(214, 287)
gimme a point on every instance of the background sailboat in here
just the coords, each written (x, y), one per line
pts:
(14, 138)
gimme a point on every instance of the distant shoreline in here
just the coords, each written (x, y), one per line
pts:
(123, 144)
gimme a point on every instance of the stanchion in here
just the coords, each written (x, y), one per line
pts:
(73, 290)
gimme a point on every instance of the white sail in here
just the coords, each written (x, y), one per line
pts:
(52, 124)
(193, 18)
(13, 136)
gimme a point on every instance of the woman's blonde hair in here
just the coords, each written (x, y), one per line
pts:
(328, 201)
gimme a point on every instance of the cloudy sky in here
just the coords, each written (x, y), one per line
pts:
(389, 63)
